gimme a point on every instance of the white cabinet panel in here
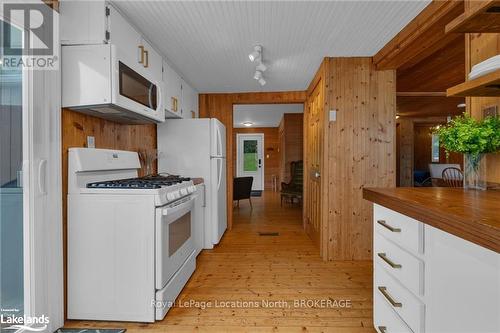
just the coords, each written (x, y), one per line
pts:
(461, 280)
(82, 22)
(189, 101)
(385, 319)
(399, 228)
(462, 285)
(172, 83)
(407, 306)
(152, 61)
(399, 263)
(125, 38)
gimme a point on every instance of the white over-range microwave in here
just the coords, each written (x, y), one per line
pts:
(101, 81)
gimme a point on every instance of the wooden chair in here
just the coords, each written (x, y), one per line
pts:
(453, 177)
(242, 189)
(293, 189)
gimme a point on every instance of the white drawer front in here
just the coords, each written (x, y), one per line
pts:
(399, 228)
(385, 319)
(408, 269)
(399, 299)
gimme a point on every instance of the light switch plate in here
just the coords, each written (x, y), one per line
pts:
(90, 142)
(333, 115)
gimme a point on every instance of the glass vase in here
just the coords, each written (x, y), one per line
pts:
(475, 171)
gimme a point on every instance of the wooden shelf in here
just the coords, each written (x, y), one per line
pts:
(488, 85)
(482, 18)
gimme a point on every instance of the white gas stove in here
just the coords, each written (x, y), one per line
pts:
(130, 243)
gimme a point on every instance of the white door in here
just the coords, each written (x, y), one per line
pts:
(250, 158)
(30, 190)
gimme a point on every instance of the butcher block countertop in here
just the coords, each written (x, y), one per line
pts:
(197, 181)
(472, 215)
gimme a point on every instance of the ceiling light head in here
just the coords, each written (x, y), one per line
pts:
(247, 123)
(257, 50)
(262, 81)
(461, 105)
(261, 67)
(257, 75)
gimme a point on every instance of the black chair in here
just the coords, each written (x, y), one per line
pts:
(293, 189)
(242, 189)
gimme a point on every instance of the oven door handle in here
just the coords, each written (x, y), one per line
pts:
(176, 208)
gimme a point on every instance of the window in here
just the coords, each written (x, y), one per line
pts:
(435, 148)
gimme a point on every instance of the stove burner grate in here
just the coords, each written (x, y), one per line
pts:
(148, 182)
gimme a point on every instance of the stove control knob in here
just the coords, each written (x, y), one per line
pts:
(170, 196)
(192, 189)
(184, 191)
(177, 194)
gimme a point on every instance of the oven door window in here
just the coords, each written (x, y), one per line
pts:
(179, 232)
(137, 88)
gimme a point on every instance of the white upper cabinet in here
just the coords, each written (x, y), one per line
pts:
(83, 22)
(124, 37)
(189, 101)
(173, 94)
(151, 61)
(97, 22)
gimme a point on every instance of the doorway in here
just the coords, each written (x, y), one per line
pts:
(250, 158)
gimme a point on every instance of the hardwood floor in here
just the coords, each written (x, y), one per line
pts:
(283, 270)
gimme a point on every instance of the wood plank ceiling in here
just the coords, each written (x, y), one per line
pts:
(428, 61)
(208, 41)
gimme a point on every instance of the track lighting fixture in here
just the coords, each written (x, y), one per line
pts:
(247, 123)
(257, 49)
(261, 67)
(257, 75)
(256, 55)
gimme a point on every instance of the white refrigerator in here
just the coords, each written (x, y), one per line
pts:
(197, 148)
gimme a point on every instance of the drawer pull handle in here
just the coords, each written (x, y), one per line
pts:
(391, 263)
(385, 225)
(383, 291)
(382, 329)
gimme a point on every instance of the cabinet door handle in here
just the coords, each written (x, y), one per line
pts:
(174, 104)
(383, 291)
(385, 225)
(141, 54)
(382, 329)
(146, 63)
(391, 263)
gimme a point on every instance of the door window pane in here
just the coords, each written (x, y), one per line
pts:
(435, 148)
(250, 156)
(11, 191)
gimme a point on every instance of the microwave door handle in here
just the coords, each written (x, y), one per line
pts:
(150, 95)
(159, 98)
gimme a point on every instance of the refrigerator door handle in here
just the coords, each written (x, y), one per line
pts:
(219, 142)
(220, 173)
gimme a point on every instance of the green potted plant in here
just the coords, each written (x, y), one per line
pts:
(474, 139)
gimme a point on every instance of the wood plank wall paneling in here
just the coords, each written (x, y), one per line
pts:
(291, 143)
(271, 152)
(405, 152)
(480, 47)
(362, 151)
(220, 106)
(75, 129)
